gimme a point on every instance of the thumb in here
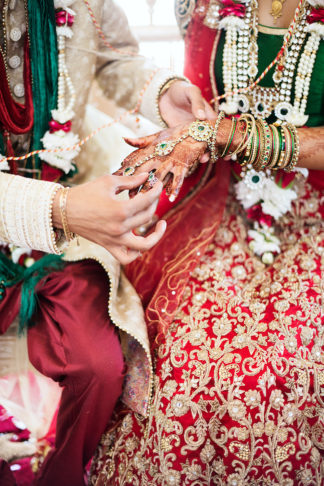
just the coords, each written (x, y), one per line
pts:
(125, 183)
(197, 102)
(141, 142)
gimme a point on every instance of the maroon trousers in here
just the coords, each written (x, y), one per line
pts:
(74, 343)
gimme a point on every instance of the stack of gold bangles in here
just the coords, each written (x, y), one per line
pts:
(264, 146)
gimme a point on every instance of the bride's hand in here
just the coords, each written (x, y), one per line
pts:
(170, 168)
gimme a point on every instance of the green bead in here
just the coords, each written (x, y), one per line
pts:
(255, 179)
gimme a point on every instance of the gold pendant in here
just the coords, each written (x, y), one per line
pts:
(276, 8)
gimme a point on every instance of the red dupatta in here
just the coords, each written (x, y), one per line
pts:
(161, 274)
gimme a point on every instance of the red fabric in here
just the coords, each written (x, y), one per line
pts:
(74, 343)
(199, 43)
(6, 476)
(15, 117)
(51, 174)
(160, 275)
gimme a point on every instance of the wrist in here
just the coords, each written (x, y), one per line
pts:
(224, 132)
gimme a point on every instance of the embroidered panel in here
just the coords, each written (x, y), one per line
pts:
(239, 387)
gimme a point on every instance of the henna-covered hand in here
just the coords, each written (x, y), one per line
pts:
(172, 167)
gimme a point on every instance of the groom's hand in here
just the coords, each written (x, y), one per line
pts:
(182, 103)
(96, 213)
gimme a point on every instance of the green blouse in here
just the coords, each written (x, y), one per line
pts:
(269, 46)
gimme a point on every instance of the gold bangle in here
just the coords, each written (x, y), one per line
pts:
(246, 117)
(258, 163)
(275, 153)
(255, 145)
(63, 202)
(268, 144)
(295, 156)
(288, 148)
(283, 151)
(230, 137)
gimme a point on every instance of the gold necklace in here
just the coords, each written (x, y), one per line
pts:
(276, 8)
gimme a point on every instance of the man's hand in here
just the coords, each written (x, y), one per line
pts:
(95, 213)
(183, 103)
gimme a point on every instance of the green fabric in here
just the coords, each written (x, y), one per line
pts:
(12, 274)
(44, 65)
(269, 46)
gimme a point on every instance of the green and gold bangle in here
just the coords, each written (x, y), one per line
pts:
(282, 148)
(288, 150)
(268, 144)
(276, 147)
(230, 138)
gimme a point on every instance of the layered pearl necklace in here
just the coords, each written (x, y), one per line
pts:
(265, 197)
(288, 99)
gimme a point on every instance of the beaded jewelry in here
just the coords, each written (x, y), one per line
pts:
(200, 131)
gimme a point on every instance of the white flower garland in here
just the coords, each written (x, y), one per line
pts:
(64, 113)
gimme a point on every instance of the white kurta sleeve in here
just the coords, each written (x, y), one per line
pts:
(26, 213)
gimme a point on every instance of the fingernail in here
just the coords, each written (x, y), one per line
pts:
(201, 113)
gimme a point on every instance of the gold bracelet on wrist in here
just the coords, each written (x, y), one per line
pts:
(63, 203)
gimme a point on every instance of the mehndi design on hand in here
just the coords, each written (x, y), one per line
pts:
(171, 155)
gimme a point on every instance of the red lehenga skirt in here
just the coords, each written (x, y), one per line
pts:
(239, 387)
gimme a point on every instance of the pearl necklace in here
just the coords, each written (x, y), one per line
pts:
(240, 67)
(259, 193)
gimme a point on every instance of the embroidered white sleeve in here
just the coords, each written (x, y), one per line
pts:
(26, 213)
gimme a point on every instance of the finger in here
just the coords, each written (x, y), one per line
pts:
(176, 186)
(204, 158)
(141, 142)
(197, 102)
(162, 173)
(125, 183)
(142, 218)
(143, 201)
(123, 254)
(141, 243)
(210, 113)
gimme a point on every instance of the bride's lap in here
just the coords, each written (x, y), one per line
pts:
(239, 391)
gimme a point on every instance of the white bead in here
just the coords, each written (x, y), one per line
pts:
(19, 90)
(14, 62)
(15, 34)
